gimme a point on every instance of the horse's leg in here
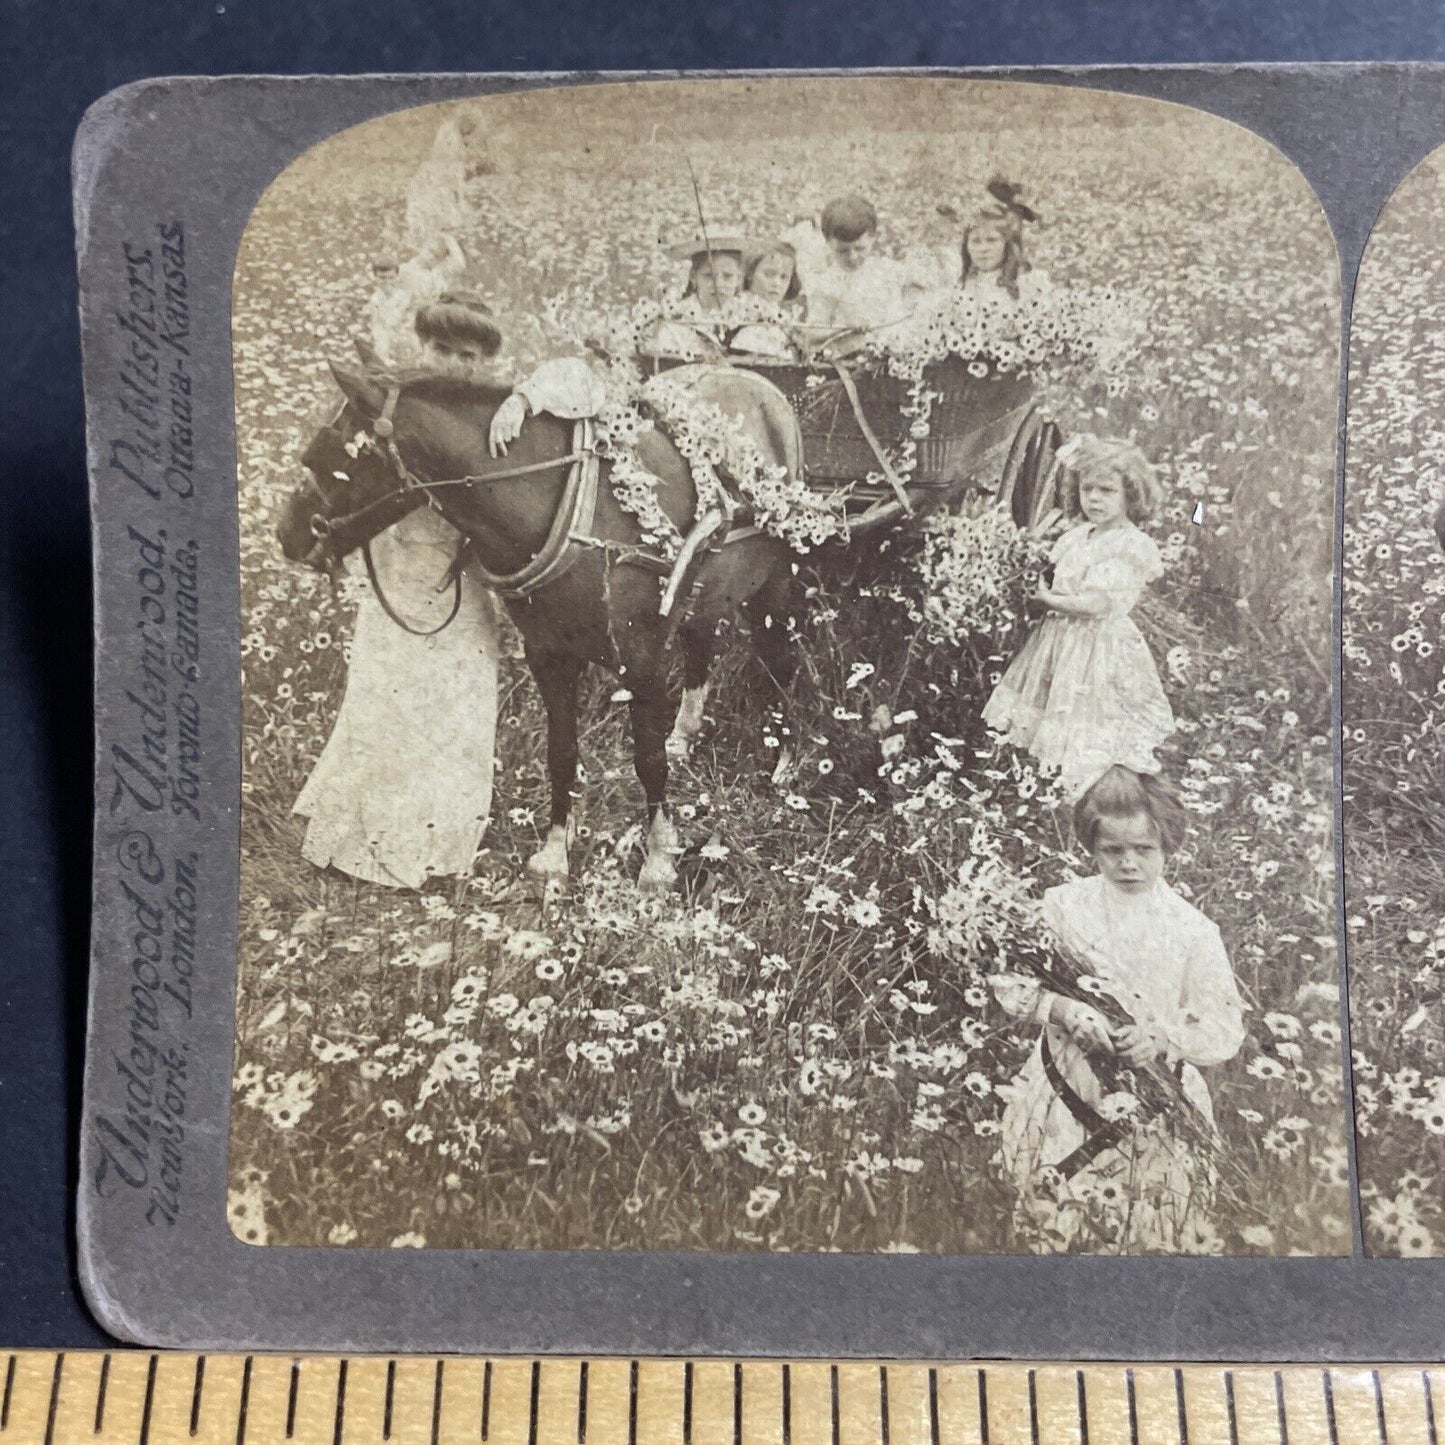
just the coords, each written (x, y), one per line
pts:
(558, 677)
(651, 713)
(696, 653)
(769, 612)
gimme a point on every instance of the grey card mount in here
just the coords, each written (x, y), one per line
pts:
(716, 716)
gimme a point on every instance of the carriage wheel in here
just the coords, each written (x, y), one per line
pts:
(1029, 485)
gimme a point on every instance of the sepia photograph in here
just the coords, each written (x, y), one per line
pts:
(1393, 711)
(786, 682)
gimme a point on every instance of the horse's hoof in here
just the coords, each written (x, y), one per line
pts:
(659, 875)
(787, 765)
(547, 866)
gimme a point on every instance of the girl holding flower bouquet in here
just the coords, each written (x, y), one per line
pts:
(1084, 693)
(1107, 1128)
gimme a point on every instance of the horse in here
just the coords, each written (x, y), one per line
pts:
(588, 599)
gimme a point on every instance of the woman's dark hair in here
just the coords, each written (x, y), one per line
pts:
(849, 218)
(782, 248)
(1123, 793)
(1013, 256)
(459, 317)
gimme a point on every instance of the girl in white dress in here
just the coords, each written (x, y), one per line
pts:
(403, 288)
(1084, 692)
(1089, 1173)
(436, 201)
(403, 790)
(992, 247)
(771, 278)
(696, 326)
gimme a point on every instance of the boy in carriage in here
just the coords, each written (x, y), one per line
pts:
(850, 287)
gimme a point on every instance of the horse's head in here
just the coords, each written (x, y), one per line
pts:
(350, 475)
(394, 444)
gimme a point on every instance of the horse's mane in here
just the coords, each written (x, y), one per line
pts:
(446, 387)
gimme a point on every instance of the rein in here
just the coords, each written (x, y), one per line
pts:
(542, 567)
(396, 617)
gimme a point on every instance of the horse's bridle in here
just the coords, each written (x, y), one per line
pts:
(382, 433)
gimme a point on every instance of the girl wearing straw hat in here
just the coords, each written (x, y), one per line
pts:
(696, 326)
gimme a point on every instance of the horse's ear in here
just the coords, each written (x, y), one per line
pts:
(370, 356)
(364, 392)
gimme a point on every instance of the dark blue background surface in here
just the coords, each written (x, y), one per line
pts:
(56, 60)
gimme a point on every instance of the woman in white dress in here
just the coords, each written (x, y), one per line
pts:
(403, 790)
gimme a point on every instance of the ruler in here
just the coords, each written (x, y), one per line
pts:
(132, 1397)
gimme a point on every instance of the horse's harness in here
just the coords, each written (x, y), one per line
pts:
(571, 527)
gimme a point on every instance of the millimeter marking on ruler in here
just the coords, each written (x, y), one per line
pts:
(144, 1398)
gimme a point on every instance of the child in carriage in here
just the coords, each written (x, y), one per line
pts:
(771, 280)
(696, 327)
(991, 249)
(1084, 692)
(1069, 1148)
(849, 285)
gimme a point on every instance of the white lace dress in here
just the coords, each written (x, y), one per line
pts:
(403, 789)
(1165, 962)
(436, 201)
(1084, 694)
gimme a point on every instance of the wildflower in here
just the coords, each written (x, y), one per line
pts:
(865, 913)
(1283, 1141)
(468, 989)
(1282, 1026)
(291, 1100)
(526, 945)
(1415, 1242)
(752, 1114)
(341, 1234)
(1262, 1066)
(1118, 1106)
(411, 1240)
(714, 1137)
(761, 1201)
